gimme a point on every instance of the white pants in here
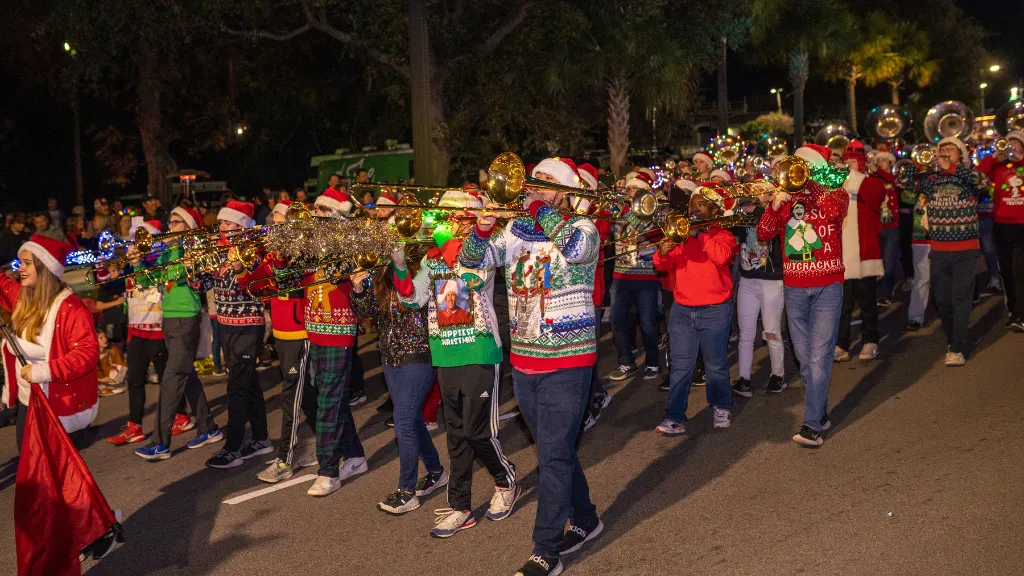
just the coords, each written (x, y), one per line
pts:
(764, 297)
(921, 288)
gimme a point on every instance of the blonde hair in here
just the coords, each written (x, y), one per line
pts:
(34, 302)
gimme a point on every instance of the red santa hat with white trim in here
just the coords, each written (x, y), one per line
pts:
(282, 207)
(639, 179)
(562, 169)
(468, 196)
(589, 175)
(48, 252)
(334, 201)
(1017, 135)
(238, 212)
(188, 215)
(707, 158)
(151, 226)
(719, 173)
(815, 154)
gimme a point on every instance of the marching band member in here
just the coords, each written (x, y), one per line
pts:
(599, 398)
(550, 261)
(862, 258)
(889, 238)
(719, 176)
(952, 194)
(702, 163)
(465, 346)
(241, 327)
(1007, 174)
(809, 224)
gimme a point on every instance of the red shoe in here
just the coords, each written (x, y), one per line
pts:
(182, 424)
(129, 434)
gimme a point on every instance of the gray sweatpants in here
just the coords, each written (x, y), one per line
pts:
(181, 335)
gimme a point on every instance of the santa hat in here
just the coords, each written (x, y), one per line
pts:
(151, 226)
(855, 152)
(466, 197)
(885, 155)
(99, 202)
(964, 154)
(48, 252)
(282, 207)
(639, 180)
(1015, 135)
(686, 185)
(589, 175)
(563, 170)
(649, 173)
(815, 154)
(719, 173)
(238, 212)
(450, 287)
(385, 201)
(706, 158)
(190, 216)
(334, 201)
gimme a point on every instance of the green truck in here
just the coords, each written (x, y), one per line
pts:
(385, 166)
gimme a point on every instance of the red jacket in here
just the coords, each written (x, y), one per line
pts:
(892, 199)
(862, 253)
(287, 314)
(603, 224)
(69, 377)
(812, 243)
(1007, 189)
(701, 268)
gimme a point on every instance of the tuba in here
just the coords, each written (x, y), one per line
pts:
(949, 119)
(887, 122)
(1010, 117)
(835, 135)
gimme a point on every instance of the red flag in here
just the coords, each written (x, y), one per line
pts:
(58, 508)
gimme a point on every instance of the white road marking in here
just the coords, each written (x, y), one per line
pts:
(268, 490)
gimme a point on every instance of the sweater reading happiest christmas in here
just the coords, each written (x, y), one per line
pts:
(811, 227)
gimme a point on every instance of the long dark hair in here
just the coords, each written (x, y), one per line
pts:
(384, 282)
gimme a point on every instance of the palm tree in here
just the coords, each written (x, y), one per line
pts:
(793, 32)
(915, 63)
(871, 58)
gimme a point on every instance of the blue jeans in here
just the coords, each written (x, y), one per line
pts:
(644, 294)
(409, 385)
(705, 329)
(552, 405)
(215, 329)
(813, 328)
(889, 240)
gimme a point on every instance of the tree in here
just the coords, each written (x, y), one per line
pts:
(870, 58)
(914, 61)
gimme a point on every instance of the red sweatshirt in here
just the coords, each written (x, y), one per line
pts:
(701, 268)
(1007, 189)
(603, 224)
(891, 210)
(287, 315)
(811, 225)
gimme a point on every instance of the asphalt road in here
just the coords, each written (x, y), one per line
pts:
(938, 448)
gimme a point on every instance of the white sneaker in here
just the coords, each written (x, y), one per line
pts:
(955, 359)
(722, 418)
(503, 501)
(670, 428)
(352, 467)
(869, 352)
(431, 426)
(450, 522)
(324, 486)
(840, 355)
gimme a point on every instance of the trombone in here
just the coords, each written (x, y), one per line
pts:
(677, 226)
(336, 271)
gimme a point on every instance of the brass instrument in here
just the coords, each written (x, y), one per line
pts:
(792, 176)
(836, 136)
(676, 228)
(948, 119)
(887, 122)
(773, 146)
(923, 154)
(1010, 117)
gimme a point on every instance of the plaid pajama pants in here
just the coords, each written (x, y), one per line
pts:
(335, 430)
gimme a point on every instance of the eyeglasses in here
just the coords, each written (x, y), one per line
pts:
(175, 222)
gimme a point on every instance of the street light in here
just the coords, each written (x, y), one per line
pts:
(983, 85)
(993, 68)
(778, 98)
(67, 47)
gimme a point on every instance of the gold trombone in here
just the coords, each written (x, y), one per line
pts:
(677, 226)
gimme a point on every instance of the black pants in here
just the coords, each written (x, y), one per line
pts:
(142, 351)
(1010, 250)
(952, 279)
(863, 293)
(180, 380)
(242, 346)
(469, 401)
(357, 384)
(906, 236)
(77, 438)
(297, 390)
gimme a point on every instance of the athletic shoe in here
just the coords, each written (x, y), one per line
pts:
(734, 337)
(576, 536)
(651, 372)
(276, 471)
(1015, 325)
(431, 482)
(624, 372)
(541, 566)
(670, 428)
(210, 437)
(776, 384)
(399, 502)
(306, 461)
(448, 522)
(808, 436)
(868, 352)
(112, 390)
(503, 502)
(352, 467)
(664, 386)
(994, 285)
(219, 372)
(324, 486)
(700, 378)
(225, 459)
(955, 359)
(103, 545)
(153, 451)
(130, 433)
(825, 422)
(840, 355)
(912, 326)
(357, 400)
(153, 377)
(182, 423)
(254, 448)
(512, 413)
(742, 388)
(722, 418)
(431, 426)
(884, 302)
(390, 422)
(264, 366)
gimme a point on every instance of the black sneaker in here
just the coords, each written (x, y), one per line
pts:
(386, 406)
(390, 422)
(699, 378)
(808, 436)
(664, 386)
(254, 448)
(576, 536)
(541, 566)
(651, 372)
(776, 384)
(884, 303)
(225, 459)
(624, 372)
(825, 422)
(399, 502)
(912, 326)
(431, 482)
(1015, 324)
(742, 388)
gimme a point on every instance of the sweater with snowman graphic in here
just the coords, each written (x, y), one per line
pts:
(1007, 189)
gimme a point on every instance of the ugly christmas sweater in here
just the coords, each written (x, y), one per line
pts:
(631, 263)
(401, 331)
(1007, 189)
(952, 197)
(236, 309)
(466, 333)
(811, 227)
(550, 263)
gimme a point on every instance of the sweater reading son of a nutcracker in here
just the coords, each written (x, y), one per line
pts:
(550, 262)
(811, 230)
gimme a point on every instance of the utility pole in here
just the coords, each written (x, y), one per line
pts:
(419, 69)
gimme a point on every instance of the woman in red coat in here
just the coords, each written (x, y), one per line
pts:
(55, 332)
